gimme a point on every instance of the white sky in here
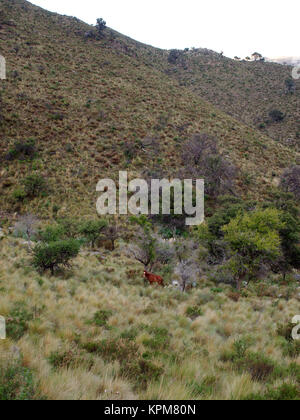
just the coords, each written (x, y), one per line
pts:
(237, 27)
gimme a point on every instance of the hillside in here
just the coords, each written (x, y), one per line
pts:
(82, 101)
(245, 90)
(82, 321)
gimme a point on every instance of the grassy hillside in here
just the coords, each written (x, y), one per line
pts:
(81, 101)
(248, 91)
(75, 109)
(155, 344)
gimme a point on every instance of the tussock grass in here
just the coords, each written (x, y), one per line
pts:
(87, 338)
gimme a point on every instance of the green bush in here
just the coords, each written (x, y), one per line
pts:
(92, 230)
(17, 321)
(101, 317)
(16, 383)
(285, 392)
(52, 234)
(55, 254)
(34, 185)
(22, 150)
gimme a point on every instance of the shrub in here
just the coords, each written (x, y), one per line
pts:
(92, 230)
(100, 26)
(22, 151)
(52, 234)
(194, 312)
(19, 194)
(276, 115)
(16, 383)
(101, 317)
(142, 372)
(201, 158)
(34, 185)
(160, 338)
(254, 238)
(51, 256)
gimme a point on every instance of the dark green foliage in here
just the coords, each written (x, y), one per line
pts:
(101, 317)
(61, 360)
(159, 340)
(92, 230)
(194, 312)
(34, 185)
(51, 256)
(16, 383)
(100, 26)
(290, 231)
(52, 234)
(259, 366)
(22, 151)
(276, 115)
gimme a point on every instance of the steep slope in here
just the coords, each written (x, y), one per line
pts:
(248, 91)
(82, 100)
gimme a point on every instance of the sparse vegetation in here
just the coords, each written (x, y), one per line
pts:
(81, 322)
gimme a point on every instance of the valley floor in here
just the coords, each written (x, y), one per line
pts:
(99, 333)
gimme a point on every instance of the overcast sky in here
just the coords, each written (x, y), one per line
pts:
(237, 27)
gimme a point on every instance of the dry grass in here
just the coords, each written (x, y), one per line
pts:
(189, 353)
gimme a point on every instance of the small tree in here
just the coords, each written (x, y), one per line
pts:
(34, 185)
(55, 254)
(254, 238)
(26, 227)
(93, 230)
(257, 56)
(100, 26)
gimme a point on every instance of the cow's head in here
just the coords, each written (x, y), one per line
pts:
(145, 273)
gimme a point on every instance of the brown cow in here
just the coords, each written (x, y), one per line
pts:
(152, 278)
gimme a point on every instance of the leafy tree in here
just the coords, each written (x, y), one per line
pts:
(100, 26)
(257, 56)
(34, 185)
(289, 233)
(52, 234)
(55, 254)
(93, 230)
(254, 238)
